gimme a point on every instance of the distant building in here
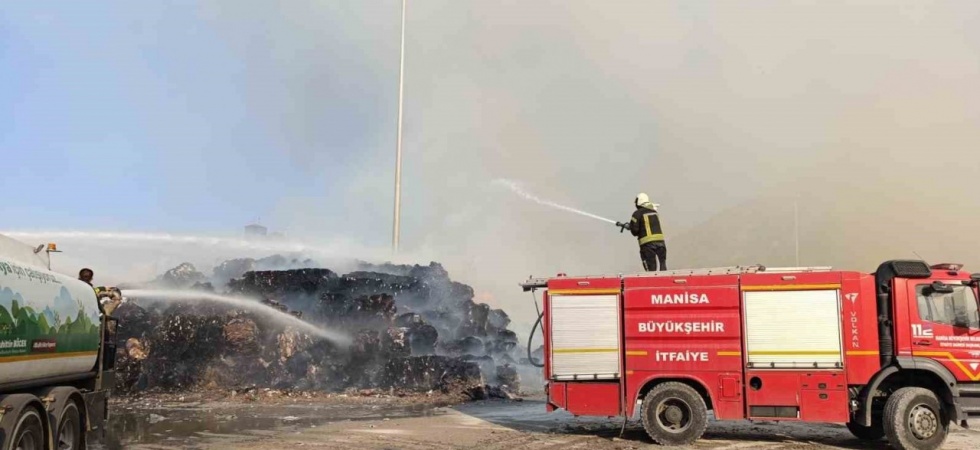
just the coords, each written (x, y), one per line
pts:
(255, 231)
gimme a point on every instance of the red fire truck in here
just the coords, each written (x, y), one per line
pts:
(895, 353)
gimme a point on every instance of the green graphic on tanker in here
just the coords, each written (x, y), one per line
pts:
(63, 326)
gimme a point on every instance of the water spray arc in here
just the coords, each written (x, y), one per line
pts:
(245, 303)
(515, 187)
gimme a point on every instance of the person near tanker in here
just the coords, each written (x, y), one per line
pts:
(645, 226)
(111, 294)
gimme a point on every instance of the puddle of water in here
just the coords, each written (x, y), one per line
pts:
(196, 426)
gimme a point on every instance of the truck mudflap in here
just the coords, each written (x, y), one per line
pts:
(863, 414)
(96, 415)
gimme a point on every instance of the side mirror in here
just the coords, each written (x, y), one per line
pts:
(941, 288)
(975, 278)
(961, 321)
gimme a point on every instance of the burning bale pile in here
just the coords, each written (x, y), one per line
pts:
(410, 329)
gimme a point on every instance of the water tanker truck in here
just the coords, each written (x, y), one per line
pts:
(892, 354)
(56, 362)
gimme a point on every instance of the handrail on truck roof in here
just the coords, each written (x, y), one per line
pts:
(733, 270)
(537, 283)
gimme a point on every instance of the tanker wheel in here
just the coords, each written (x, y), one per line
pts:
(69, 435)
(873, 433)
(914, 420)
(29, 432)
(674, 414)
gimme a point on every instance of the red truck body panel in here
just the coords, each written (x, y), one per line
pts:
(860, 326)
(693, 328)
(684, 328)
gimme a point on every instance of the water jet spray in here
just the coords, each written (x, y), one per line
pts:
(247, 303)
(515, 187)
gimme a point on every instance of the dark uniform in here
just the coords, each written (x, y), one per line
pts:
(645, 225)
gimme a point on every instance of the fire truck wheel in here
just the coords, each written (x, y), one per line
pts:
(914, 420)
(674, 414)
(873, 433)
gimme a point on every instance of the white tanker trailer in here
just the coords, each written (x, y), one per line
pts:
(56, 363)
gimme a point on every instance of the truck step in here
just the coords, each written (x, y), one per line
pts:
(972, 411)
(969, 390)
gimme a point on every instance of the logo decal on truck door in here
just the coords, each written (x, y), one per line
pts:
(921, 332)
(852, 297)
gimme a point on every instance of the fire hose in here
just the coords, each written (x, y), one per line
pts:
(535, 327)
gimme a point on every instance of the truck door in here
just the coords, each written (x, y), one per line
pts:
(945, 326)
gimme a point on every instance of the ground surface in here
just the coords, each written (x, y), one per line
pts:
(385, 423)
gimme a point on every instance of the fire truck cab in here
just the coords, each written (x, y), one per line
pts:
(891, 354)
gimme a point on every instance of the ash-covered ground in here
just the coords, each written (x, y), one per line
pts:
(412, 330)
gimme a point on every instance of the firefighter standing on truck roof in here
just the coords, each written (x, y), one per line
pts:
(645, 225)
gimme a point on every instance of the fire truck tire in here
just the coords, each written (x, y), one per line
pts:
(914, 420)
(873, 433)
(674, 414)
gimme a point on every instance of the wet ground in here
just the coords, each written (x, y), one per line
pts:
(175, 423)
(412, 424)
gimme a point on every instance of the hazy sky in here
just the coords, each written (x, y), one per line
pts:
(197, 117)
(191, 116)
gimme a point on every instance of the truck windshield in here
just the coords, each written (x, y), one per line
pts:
(958, 309)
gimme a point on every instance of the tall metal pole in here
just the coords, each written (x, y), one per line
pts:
(796, 228)
(396, 232)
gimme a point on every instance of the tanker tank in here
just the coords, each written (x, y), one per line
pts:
(49, 323)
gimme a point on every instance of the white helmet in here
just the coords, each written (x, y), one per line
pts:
(643, 199)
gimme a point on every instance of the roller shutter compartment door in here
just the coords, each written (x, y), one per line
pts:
(585, 337)
(793, 329)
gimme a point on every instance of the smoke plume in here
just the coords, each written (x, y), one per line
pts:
(862, 115)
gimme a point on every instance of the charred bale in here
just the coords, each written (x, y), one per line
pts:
(284, 283)
(183, 345)
(501, 343)
(498, 320)
(470, 345)
(486, 363)
(475, 320)
(422, 339)
(395, 343)
(241, 334)
(507, 376)
(431, 373)
(129, 366)
(134, 321)
(409, 320)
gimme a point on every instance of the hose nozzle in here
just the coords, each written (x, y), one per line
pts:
(622, 226)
